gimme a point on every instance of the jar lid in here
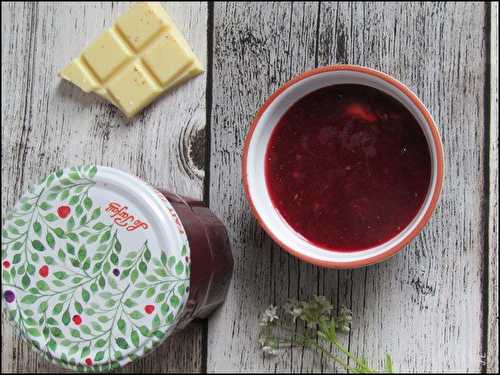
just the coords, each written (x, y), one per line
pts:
(95, 267)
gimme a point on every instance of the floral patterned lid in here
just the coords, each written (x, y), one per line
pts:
(95, 267)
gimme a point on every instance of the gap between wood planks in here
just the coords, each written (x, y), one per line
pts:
(487, 194)
(489, 330)
(208, 143)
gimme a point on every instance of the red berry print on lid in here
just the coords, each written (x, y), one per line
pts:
(88, 362)
(6, 264)
(44, 271)
(77, 319)
(63, 211)
(149, 309)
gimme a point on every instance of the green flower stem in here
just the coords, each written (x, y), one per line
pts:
(348, 354)
(332, 357)
(310, 342)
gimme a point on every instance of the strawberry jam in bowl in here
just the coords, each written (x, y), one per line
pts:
(343, 166)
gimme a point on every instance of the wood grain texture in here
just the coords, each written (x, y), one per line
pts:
(424, 305)
(47, 124)
(492, 359)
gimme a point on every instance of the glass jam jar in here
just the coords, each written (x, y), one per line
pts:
(99, 267)
(211, 257)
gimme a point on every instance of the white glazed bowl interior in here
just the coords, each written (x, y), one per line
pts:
(255, 164)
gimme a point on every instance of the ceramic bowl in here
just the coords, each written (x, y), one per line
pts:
(258, 138)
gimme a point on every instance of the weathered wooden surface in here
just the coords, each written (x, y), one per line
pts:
(48, 124)
(425, 305)
(492, 359)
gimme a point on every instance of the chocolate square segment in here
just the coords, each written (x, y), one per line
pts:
(133, 88)
(106, 54)
(140, 24)
(167, 59)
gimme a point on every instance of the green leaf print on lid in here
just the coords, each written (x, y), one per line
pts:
(84, 289)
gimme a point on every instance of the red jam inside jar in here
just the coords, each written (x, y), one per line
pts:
(211, 257)
(348, 167)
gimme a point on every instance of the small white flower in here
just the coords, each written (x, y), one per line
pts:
(297, 312)
(293, 308)
(269, 316)
(269, 344)
(262, 341)
(271, 312)
(324, 305)
(269, 350)
(344, 320)
(289, 306)
(345, 329)
(346, 314)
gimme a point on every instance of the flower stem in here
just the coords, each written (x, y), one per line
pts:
(350, 355)
(311, 343)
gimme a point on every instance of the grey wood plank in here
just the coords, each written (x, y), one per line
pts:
(423, 305)
(257, 47)
(492, 359)
(48, 124)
